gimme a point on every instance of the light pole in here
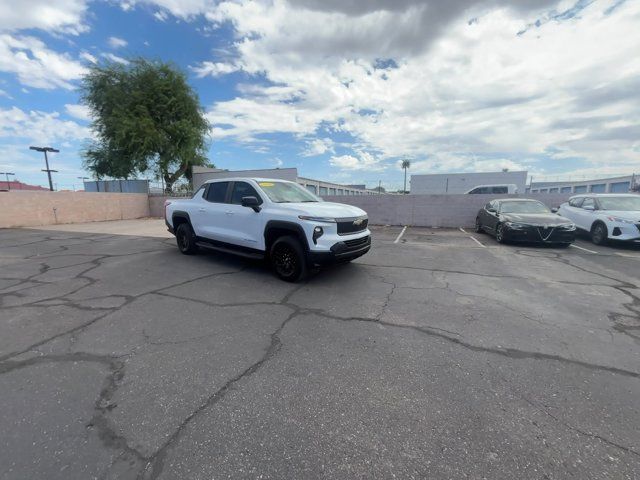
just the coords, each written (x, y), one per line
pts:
(6, 174)
(82, 179)
(46, 161)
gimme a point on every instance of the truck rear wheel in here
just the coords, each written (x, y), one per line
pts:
(186, 239)
(288, 259)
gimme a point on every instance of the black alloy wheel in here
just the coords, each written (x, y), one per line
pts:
(288, 259)
(185, 239)
(500, 233)
(599, 234)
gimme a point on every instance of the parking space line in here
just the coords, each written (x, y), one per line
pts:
(463, 230)
(626, 255)
(585, 249)
(477, 241)
(400, 234)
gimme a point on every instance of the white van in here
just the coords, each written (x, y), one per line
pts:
(494, 189)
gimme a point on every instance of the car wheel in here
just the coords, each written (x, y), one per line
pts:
(599, 233)
(478, 228)
(288, 259)
(186, 239)
(500, 233)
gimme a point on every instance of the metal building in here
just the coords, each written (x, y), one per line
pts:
(623, 184)
(319, 187)
(452, 183)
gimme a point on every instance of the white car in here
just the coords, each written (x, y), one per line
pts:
(271, 219)
(510, 188)
(606, 216)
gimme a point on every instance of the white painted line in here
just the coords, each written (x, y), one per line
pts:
(477, 241)
(585, 249)
(400, 234)
(627, 255)
(463, 230)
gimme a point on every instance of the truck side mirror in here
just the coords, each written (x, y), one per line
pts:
(555, 209)
(251, 202)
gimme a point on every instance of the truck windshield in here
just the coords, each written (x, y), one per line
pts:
(623, 204)
(281, 192)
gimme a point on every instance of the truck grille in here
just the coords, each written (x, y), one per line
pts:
(348, 226)
(357, 242)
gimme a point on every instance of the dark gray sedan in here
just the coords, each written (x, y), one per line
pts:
(524, 220)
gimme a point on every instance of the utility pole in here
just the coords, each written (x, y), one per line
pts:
(46, 161)
(6, 174)
(379, 187)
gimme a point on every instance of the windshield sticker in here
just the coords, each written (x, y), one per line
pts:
(266, 184)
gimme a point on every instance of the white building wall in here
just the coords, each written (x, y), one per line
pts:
(452, 183)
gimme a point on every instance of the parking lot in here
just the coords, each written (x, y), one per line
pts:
(440, 354)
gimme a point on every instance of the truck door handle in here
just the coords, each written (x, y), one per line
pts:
(229, 212)
(201, 209)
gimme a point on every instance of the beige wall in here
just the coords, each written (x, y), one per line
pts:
(31, 209)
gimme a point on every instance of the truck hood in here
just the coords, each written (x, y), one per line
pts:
(326, 209)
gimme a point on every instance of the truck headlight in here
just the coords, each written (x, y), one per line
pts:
(317, 219)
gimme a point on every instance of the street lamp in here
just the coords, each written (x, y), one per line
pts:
(6, 174)
(46, 160)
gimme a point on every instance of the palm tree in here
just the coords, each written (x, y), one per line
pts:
(405, 164)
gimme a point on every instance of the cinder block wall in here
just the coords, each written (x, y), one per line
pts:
(417, 210)
(432, 210)
(32, 209)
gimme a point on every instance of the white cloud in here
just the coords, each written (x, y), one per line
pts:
(319, 146)
(81, 112)
(88, 57)
(37, 66)
(213, 69)
(363, 161)
(183, 9)
(5, 94)
(161, 16)
(569, 88)
(115, 58)
(64, 16)
(116, 42)
(46, 127)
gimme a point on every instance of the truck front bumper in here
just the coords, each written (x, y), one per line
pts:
(341, 252)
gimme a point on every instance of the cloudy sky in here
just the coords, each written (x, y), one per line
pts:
(345, 89)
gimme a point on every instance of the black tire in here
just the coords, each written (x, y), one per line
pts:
(288, 259)
(500, 233)
(186, 239)
(599, 233)
(478, 228)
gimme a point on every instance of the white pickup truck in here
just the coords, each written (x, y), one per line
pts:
(269, 219)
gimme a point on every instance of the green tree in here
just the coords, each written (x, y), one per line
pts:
(405, 165)
(145, 117)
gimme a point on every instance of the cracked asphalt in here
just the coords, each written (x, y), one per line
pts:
(432, 357)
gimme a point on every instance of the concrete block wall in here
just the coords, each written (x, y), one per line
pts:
(446, 211)
(34, 208)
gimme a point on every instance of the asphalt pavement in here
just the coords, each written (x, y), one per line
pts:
(439, 354)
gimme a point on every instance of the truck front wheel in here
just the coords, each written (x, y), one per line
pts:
(288, 259)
